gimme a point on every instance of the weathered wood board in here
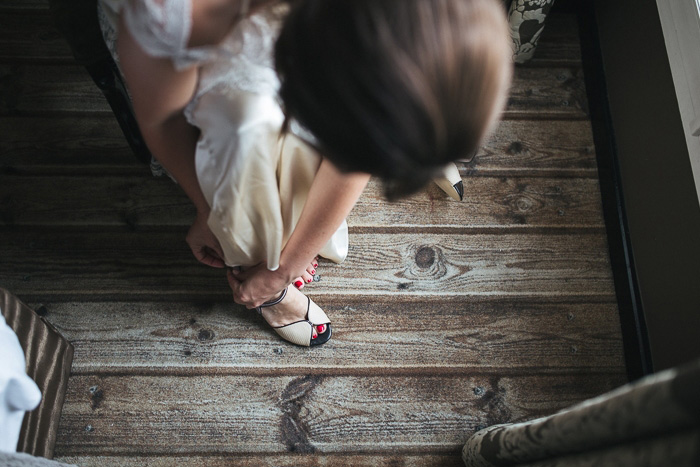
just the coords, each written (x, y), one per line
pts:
(142, 202)
(24, 90)
(94, 145)
(426, 459)
(370, 334)
(158, 265)
(68, 144)
(127, 414)
(560, 45)
(26, 6)
(30, 36)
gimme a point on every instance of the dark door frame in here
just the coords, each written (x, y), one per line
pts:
(650, 203)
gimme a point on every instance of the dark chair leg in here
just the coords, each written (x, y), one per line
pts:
(107, 77)
(77, 21)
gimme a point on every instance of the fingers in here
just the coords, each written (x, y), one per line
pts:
(218, 254)
(235, 285)
(209, 257)
(235, 281)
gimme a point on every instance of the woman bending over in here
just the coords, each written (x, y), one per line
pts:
(272, 117)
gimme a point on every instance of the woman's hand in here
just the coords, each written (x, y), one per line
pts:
(203, 243)
(256, 285)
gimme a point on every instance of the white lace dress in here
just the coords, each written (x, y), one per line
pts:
(255, 181)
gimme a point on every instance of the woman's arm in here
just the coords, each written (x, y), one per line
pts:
(331, 198)
(160, 93)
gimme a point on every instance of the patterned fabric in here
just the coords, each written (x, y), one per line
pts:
(654, 421)
(18, 459)
(526, 18)
(49, 357)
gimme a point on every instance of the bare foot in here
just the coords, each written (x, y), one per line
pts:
(293, 308)
(308, 275)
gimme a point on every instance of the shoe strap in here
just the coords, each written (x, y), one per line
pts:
(273, 302)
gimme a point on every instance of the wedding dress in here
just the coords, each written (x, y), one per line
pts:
(255, 180)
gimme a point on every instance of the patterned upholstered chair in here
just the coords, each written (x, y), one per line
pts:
(651, 422)
(527, 19)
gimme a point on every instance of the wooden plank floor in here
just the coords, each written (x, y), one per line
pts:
(448, 317)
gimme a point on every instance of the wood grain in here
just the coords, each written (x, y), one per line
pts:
(25, 90)
(26, 6)
(158, 265)
(31, 37)
(30, 30)
(143, 202)
(537, 147)
(67, 144)
(559, 44)
(95, 146)
(556, 93)
(143, 415)
(390, 335)
(547, 93)
(274, 460)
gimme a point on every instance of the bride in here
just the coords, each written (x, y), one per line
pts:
(272, 117)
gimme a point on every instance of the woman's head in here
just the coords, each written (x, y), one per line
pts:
(396, 88)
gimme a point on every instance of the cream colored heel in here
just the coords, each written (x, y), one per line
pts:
(301, 332)
(451, 182)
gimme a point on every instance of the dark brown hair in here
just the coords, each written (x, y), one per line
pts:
(395, 88)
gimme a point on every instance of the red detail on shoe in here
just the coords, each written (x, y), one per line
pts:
(298, 284)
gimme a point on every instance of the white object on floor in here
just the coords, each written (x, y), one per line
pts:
(18, 393)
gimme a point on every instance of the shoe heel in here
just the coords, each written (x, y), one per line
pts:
(451, 182)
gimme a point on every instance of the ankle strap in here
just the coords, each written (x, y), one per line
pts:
(276, 300)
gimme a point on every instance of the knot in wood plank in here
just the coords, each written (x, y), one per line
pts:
(423, 263)
(205, 335)
(493, 401)
(295, 430)
(96, 398)
(425, 257)
(516, 147)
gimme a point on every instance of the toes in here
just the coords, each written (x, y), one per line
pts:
(311, 269)
(298, 283)
(318, 330)
(307, 278)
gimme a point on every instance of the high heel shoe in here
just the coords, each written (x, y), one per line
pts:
(450, 182)
(301, 332)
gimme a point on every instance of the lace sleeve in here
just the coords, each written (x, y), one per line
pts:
(162, 28)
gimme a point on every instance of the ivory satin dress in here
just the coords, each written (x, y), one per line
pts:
(255, 179)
